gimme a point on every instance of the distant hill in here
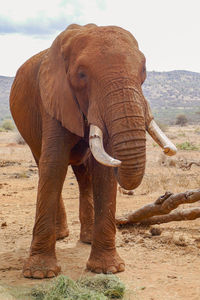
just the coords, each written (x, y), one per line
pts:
(173, 93)
(170, 93)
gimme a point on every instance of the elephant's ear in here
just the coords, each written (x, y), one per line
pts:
(55, 90)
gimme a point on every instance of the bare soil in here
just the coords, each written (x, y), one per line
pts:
(158, 267)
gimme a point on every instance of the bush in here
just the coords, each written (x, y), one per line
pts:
(181, 120)
(187, 146)
(7, 125)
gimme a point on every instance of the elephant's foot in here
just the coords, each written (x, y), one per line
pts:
(61, 232)
(41, 266)
(105, 261)
(86, 234)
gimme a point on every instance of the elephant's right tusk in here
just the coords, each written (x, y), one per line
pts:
(160, 138)
(97, 149)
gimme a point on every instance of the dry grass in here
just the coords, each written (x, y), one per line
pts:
(164, 261)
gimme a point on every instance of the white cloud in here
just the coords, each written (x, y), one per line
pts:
(16, 50)
(167, 31)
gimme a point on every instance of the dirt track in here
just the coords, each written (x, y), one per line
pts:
(157, 267)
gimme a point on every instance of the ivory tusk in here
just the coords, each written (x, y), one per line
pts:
(97, 149)
(159, 137)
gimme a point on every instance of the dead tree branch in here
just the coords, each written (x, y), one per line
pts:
(159, 211)
(180, 215)
(187, 166)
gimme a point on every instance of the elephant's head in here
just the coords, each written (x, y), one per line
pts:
(96, 73)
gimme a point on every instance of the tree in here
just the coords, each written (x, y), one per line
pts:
(181, 120)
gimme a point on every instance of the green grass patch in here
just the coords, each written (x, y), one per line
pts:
(187, 146)
(99, 287)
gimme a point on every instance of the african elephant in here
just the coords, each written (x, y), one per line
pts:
(80, 103)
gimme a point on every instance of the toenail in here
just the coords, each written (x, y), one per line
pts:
(121, 267)
(58, 269)
(38, 275)
(27, 273)
(98, 270)
(51, 274)
(111, 270)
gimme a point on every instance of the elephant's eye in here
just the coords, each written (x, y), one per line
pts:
(81, 75)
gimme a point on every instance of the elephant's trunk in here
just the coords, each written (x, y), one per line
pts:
(126, 115)
(125, 122)
(130, 148)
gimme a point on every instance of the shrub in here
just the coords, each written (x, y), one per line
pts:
(181, 120)
(187, 146)
(8, 124)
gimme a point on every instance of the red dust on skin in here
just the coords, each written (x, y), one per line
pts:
(90, 75)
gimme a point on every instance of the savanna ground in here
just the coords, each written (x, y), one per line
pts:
(160, 267)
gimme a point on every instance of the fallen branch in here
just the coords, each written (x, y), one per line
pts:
(187, 166)
(162, 207)
(180, 215)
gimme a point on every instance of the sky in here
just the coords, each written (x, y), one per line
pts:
(168, 31)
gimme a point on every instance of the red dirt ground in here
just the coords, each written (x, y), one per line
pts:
(164, 267)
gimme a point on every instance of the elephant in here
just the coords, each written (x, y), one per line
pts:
(80, 103)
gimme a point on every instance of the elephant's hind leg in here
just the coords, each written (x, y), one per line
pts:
(62, 230)
(86, 207)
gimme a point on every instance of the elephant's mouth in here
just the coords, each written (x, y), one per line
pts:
(99, 153)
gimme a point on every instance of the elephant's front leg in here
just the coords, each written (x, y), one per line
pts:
(53, 164)
(104, 257)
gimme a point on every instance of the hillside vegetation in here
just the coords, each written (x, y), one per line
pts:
(170, 94)
(173, 93)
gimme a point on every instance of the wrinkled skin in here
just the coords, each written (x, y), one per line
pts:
(90, 75)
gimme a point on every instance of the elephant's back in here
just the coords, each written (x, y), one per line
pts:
(25, 100)
(25, 85)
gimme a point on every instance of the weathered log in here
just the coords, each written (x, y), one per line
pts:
(179, 215)
(162, 207)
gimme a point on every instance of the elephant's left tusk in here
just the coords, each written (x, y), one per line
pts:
(97, 149)
(160, 138)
